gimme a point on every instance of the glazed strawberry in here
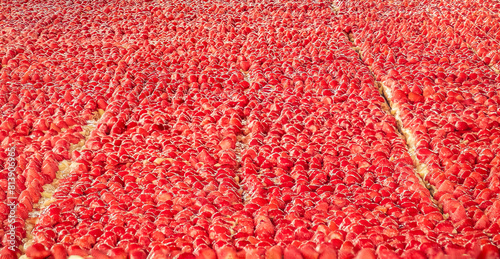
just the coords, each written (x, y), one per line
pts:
(493, 212)
(37, 251)
(206, 158)
(309, 252)
(274, 252)
(366, 253)
(488, 251)
(326, 251)
(423, 130)
(292, 252)
(58, 251)
(263, 227)
(99, 254)
(226, 253)
(76, 250)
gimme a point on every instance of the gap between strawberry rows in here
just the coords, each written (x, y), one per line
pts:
(392, 109)
(65, 168)
(241, 144)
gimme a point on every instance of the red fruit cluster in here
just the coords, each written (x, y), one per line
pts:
(476, 23)
(446, 98)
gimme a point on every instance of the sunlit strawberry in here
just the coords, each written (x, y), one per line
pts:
(37, 251)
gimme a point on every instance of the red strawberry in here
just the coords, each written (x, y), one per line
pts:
(8, 254)
(489, 251)
(206, 158)
(226, 253)
(98, 254)
(327, 251)
(37, 251)
(493, 228)
(292, 252)
(428, 91)
(245, 65)
(253, 253)
(275, 252)
(482, 223)
(446, 187)
(264, 227)
(413, 253)
(366, 253)
(445, 227)
(346, 250)
(455, 209)
(284, 163)
(493, 212)
(206, 253)
(384, 252)
(138, 254)
(76, 250)
(117, 253)
(227, 143)
(181, 256)
(50, 167)
(58, 251)
(415, 97)
(308, 252)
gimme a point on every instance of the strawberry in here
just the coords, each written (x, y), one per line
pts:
(489, 251)
(365, 253)
(58, 251)
(206, 158)
(98, 254)
(226, 253)
(308, 252)
(275, 252)
(263, 227)
(493, 212)
(292, 252)
(414, 97)
(206, 253)
(384, 252)
(37, 251)
(245, 65)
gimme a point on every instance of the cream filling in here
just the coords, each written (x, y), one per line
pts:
(334, 6)
(421, 168)
(65, 169)
(241, 145)
(246, 77)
